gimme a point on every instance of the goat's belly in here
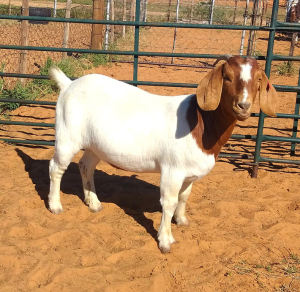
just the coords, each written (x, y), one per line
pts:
(134, 165)
(201, 169)
(125, 161)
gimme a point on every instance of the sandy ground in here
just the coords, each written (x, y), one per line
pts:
(243, 236)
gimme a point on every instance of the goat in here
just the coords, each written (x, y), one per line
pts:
(177, 136)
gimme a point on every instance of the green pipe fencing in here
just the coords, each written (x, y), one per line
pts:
(262, 116)
(31, 142)
(295, 124)
(137, 23)
(274, 27)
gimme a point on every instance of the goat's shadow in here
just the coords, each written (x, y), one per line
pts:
(131, 194)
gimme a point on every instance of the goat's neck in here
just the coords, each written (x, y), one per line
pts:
(212, 129)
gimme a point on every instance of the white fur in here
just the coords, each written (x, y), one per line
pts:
(131, 129)
(246, 72)
(245, 94)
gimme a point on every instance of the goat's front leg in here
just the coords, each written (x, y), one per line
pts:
(170, 186)
(87, 165)
(182, 198)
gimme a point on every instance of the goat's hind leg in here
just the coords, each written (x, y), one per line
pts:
(58, 165)
(87, 165)
(182, 198)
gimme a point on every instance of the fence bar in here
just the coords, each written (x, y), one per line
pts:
(137, 22)
(138, 53)
(136, 40)
(295, 124)
(267, 70)
(285, 58)
(27, 124)
(276, 160)
(28, 101)
(280, 139)
(35, 142)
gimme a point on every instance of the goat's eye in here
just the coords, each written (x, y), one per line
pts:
(226, 78)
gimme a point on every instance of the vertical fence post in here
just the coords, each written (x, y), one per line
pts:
(212, 12)
(252, 32)
(108, 2)
(24, 39)
(192, 8)
(124, 18)
(295, 125)
(244, 32)
(234, 12)
(132, 10)
(169, 11)
(136, 39)
(9, 7)
(175, 31)
(112, 27)
(66, 28)
(54, 8)
(98, 8)
(268, 71)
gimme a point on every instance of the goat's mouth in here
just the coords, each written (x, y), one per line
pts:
(241, 115)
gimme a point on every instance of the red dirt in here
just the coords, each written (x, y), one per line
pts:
(243, 236)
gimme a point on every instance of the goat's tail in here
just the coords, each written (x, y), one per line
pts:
(59, 77)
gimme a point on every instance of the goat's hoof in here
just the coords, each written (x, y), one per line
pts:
(165, 244)
(183, 221)
(94, 207)
(55, 209)
(164, 248)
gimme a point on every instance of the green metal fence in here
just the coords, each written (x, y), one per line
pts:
(274, 27)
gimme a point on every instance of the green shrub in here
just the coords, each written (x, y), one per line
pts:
(96, 59)
(286, 68)
(18, 92)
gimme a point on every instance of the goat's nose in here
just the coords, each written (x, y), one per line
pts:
(243, 105)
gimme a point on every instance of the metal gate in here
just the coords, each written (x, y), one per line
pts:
(275, 26)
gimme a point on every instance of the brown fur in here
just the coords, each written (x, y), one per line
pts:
(213, 112)
(210, 129)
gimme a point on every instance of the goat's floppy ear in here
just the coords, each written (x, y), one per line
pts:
(267, 96)
(209, 89)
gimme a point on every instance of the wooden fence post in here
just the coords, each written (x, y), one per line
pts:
(112, 28)
(244, 32)
(67, 28)
(106, 40)
(132, 13)
(124, 18)
(9, 7)
(24, 40)
(175, 32)
(169, 11)
(252, 33)
(97, 29)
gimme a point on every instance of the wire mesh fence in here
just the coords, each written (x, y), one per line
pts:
(152, 39)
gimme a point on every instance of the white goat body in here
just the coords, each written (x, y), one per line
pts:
(128, 127)
(137, 131)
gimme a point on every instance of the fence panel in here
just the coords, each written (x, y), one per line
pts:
(188, 34)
